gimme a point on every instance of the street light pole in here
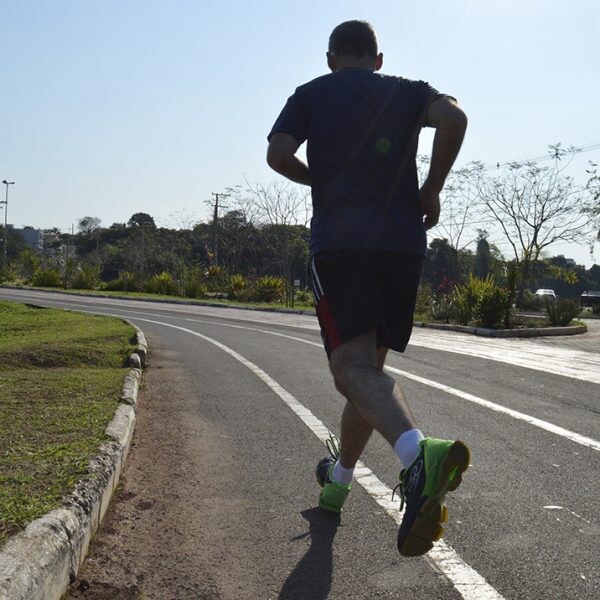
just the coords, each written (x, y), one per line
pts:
(5, 202)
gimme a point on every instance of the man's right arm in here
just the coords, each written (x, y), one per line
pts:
(450, 123)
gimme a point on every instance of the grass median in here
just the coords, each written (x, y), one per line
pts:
(61, 376)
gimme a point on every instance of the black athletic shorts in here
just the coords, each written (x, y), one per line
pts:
(359, 290)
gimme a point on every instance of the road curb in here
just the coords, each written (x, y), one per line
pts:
(506, 333)
(40, 562)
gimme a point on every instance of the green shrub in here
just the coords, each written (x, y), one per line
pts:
(126, 282)
(491, 306)
(270, 289)
(480, 300)
(87, 278)
(596, 309)
(464, 298)
(163, 283)
(239, 288)
(194, 288)
(305, 297)
(47, 278)
(529, 300)
(215, 277)
(7, 275)
(562, 311)
(193, 284)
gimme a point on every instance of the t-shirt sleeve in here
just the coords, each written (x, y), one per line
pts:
(423, 96)
(292, 120)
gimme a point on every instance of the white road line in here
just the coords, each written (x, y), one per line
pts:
(468, 582)
(566, 433)
(561, 431)
(545, 425)
(566, 362)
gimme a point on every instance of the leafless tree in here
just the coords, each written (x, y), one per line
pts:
(279, 203)
(534, 207)
(458, 204)
(283, 204)
(592, 207)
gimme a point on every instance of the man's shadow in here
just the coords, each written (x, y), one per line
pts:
(311, 579)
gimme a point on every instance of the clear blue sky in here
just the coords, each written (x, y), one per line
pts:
(110, 108)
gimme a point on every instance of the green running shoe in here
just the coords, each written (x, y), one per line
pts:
(334, 494)
(423, 487)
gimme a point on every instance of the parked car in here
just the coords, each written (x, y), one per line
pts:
(545, 294)
(590, 298)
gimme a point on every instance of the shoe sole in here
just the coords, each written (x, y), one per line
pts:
(427, 527)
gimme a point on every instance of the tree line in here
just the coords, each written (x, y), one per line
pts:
(523, 207)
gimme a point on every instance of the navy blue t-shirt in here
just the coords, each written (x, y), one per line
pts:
(362, 130)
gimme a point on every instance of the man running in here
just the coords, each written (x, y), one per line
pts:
(367, 246)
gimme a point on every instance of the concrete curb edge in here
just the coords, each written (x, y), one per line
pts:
(40, 562)
(506, 333)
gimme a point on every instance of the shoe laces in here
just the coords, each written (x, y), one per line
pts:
(401, 490)
(333, 445)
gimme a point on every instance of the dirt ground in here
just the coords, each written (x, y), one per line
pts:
(150, 543)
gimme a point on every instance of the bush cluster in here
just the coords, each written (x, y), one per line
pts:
(47, 278)
(305, 297)
(270, 289)
(562, 311)
(87, 278)
(125, 282)
(162, 283)
(481, 301)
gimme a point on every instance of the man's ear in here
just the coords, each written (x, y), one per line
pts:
(331, 61)
(379, 61)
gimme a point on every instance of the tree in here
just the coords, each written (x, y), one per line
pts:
(457, 203)
(142, 220)
(87, 225)
(30, 262)
(285, 207)
(483, 256)
(592, 207)
(534, 208)
(440, 267)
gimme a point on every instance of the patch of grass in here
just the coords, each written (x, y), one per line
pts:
(49, 337)
(55, 404)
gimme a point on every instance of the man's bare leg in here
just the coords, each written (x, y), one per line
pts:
(376, 398)
(355, 431)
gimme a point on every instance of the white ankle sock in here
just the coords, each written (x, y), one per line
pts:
(407, 446)
(341, 474)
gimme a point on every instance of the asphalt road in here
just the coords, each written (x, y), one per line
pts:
(219, 497)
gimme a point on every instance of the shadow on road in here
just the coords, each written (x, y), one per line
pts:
(312, 576)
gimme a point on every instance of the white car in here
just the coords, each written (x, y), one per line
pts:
(543, 293)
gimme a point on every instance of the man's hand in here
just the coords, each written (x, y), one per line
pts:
(430, 205)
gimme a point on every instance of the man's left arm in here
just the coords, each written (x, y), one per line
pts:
(281, 157)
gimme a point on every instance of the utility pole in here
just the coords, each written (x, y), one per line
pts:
(5, 202)
(214, 224)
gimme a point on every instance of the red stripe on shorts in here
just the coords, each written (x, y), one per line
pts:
(332, 337)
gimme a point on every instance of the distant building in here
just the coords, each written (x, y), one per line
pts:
(52, 243)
